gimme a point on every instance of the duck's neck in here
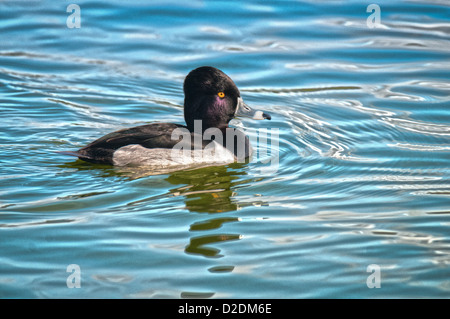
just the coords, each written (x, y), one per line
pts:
(199, 127)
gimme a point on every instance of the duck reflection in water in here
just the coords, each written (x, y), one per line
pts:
(209, 190)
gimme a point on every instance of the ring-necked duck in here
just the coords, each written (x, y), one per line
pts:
(211, 101)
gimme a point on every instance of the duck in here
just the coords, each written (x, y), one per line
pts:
(211, 101)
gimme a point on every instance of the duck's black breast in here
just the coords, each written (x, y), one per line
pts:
(156, 135)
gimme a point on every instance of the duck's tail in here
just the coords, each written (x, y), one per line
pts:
(76, 154)
(91, 158)
(70, 153)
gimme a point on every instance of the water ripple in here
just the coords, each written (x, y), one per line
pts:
(418, 126)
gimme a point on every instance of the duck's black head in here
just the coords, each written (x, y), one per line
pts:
(212, 97)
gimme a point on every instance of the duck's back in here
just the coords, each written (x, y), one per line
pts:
(150, 136)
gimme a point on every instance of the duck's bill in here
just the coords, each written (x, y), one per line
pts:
(244, 110)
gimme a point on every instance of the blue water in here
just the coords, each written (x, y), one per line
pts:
(358, 175)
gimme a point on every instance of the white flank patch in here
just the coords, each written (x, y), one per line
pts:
(137, 155)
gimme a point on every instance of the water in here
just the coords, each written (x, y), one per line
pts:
(363, 116)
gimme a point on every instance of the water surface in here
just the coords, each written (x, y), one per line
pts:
(363, 175)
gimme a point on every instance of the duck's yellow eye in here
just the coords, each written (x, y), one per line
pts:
(221, 95)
